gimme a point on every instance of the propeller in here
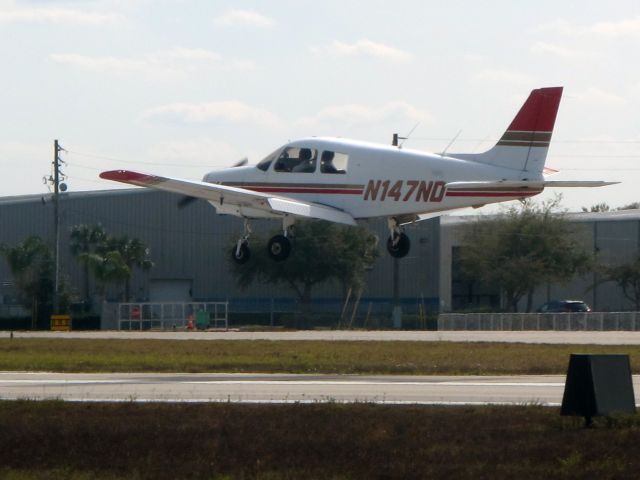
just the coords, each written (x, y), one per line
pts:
(187, 200)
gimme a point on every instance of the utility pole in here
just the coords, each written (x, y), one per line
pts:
(57, 187)
(396, 314)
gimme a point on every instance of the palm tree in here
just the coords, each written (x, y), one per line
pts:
(132, 252)
(108, 268)
(86, 239)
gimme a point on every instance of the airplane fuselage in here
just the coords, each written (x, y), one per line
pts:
(376, 180)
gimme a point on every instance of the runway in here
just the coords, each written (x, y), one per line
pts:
(268, 388)
(540, 337)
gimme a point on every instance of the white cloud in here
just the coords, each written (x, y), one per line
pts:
(503, 76)
(60, 16)
(197, 54)
(365, 48)
(99, 64)
(229, 111)
(199, 154)
(544, 48)
(355, 114)
(248, 18)
(612, 29)
(596, 96)
(171, 63)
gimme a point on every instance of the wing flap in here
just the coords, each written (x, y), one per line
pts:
(311, 210)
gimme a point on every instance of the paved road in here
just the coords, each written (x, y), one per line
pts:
(555, 337)
(265, 388)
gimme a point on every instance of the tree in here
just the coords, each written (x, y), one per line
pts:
(630, 206)
(627, 277)
(31, 264)
(85, 239)
(598, 207)
(525, 247)
(323, 252)
(112, 259)
(108, 267)
(133, 253)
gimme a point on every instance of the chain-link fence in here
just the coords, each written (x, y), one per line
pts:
(591, 321)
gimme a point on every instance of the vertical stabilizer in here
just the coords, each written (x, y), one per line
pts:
(524, 145)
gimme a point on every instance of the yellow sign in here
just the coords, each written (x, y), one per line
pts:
(61, 323)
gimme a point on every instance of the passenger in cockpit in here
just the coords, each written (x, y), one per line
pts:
(326, 162)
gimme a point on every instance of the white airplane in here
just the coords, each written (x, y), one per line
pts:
(344, 181)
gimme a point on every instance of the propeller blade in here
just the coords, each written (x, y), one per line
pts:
(186, 201)
(240, 163)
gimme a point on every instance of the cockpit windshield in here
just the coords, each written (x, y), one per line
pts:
(264, 163)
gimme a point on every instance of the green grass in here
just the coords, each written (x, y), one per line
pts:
(55, 440)
(412, 358)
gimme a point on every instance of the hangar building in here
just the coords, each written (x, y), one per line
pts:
(191, 248)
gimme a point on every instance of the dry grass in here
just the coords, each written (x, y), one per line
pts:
(413, 358)
(161, 441)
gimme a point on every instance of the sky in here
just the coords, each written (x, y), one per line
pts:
(182, 87)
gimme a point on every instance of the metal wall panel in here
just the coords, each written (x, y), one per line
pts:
(193, 243)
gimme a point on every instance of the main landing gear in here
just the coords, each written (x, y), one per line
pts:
(278, 248)
(241, 253)
(398, 243)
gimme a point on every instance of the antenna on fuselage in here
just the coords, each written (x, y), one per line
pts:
(396, 137)
(444, 152)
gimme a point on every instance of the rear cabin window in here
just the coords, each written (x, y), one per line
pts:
(333, 162)
(297, 160)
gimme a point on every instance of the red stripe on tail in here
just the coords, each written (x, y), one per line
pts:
(538, 114)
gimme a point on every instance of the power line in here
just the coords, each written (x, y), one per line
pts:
(140, 162)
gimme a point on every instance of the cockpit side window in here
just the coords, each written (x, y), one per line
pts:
(334, 162)
(297, 160)
(266, 162)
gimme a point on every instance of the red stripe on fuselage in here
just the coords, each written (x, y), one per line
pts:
(332, 191)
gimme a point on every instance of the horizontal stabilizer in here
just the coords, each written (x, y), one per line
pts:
(525, 184)
(578, 183)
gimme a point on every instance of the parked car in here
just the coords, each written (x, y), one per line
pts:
(564, 306)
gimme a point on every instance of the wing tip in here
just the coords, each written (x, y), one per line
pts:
(127, 176)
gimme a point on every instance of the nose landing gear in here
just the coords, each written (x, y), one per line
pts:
(398, 243)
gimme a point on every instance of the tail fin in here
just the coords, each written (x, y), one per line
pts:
(525, 144)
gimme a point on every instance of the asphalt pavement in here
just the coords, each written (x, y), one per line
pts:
(278, 388)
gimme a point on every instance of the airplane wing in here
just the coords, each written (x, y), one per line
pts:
(525, 184)
(223, 194)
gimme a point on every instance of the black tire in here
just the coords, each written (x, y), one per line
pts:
(401, 248)
(242, 256)
(279, 248)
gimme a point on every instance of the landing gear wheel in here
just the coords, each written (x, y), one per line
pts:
(400, 247)
(242, 255)
(279, 248)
